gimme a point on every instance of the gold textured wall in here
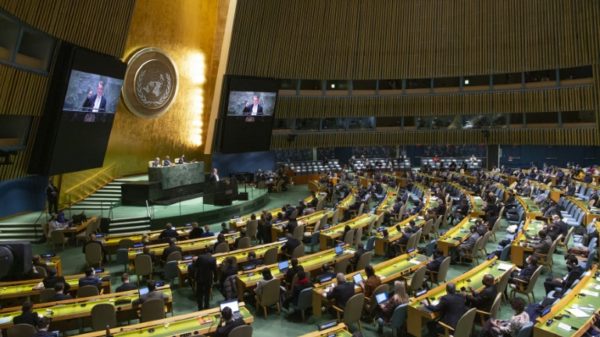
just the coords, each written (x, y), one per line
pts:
(187, 30)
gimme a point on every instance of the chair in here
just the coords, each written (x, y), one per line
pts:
(269, 296)
(398, 319)
(349, 237)
(46, 295)
(473, 254)
(152, 310)
(171, 270)
(505, 254)
(503, 283)
(314, 241)
(358, 236)
(371, 304)
(440, 276)
(123, 257)
(222, 247)
(414, 283)
(496, 228)
(524, 287)
(526, 330)
(241, 331)
(143, 266)
(336, 216)
(126, 243)
(426, 230)
(370, 243)
(413, 241)
(58, 238)
(87, 291)
(298, 251)
(364, 260)
(252, 229)
(486, 239)
(304, 301)
(103, 315)
(352, 311)
(484, 315)
(93, 255)
(243, 243)
(40, 271)
(298, 232)
(546, 259)
(21, 330)
(565, 242)
(270, 256)
(463, 327)
(435, 231)
(174, 256)
(83, 236)
(341, 266)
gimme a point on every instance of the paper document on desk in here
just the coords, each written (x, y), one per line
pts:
(504, 266)
(414, 261)
(590, 293)
(578, 312)
(564, 326)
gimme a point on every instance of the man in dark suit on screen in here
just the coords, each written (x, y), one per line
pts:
(254, 109)
(97, 102)
(214, 176)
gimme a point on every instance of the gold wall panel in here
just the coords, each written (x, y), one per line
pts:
(392, 39)
(409, 137)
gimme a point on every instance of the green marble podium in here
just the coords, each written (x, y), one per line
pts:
(177, 175)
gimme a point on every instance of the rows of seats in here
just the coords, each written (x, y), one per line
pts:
(571, 213)
(395, 164)
(313, 167)
(445, 162)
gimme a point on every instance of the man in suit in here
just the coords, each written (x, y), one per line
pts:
(153, 293)
(451, 307)
(167, 161)
(27, 316)
(126, 285)
(170, 249)
(469, 243)
(52, 197)
(169, 232)
(196, 231)
(227, 323)
(214, 176)
(342, 291)
(523, 275)
(97, 102)
(60, 295)
(254, 109)
(156, 162)
(484, 299)
(290, 245)
(574, 273)
(42, 327)
(544, 245)
(90, 279)
(207, 233)
(51, 280)
(206, 272)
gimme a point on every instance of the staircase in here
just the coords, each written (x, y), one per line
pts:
(103, 199)
(127, 225)
(13, 231)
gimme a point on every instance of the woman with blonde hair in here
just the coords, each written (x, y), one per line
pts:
(387, 308)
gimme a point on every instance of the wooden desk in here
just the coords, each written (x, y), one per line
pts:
(188, 246)
(247, 280)
(529, 206)
(388, 271)
(572, 326)
(348, 201)
(241, 256)
(456, 235)
(27, 289)
(589, 214)
(519, 247)
(330, 235)
(192, 324)
(418, 315)
(65, 314)
(387, 202)
(382, 243)
(339, 330)
(74, 230)
(111, 241)
(309, 221)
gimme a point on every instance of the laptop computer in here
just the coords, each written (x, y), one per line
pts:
(357, 278)
(325, 278)
(143, 291)
(283, 266)
(339, 250)
(249, 267)
(234, 306)
(138, 245)
(381, 297)
(188, 257)
(327, 325)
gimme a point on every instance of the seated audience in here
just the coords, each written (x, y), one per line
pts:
(27, 315)
(169, 232)
(575, 271)
(373, 281)
(483, 299)
(196, 231)
(451, 307)
(170, 249)
(387, 308)
(60, 295)
(90, 279)
(227, 323)
(51, 280)
(152, 294)
(126, 285)
(342, 292)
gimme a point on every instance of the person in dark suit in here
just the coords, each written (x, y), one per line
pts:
(227, 323)
(52, 197)
(196, 231)
(42, 327)
(544, 245)
(243, 234)
(342, 292)
(451, 307)
(484, 299)
(574, 273)
(97, 102)
(214, 176)
(290, 245)
(207, 233)
(90, 279)
(434, 265)
(27, 316)
(170, 249)
(125, 286)
(167, 161)
(206, 272)
(60, 295)
(254, 109)
(153, 293)
(169, 232)
(51, 280)
(525, 274)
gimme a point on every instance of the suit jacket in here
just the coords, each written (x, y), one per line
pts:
(125, 287)
(27, 318)
(484, 299)
(223, 331)
(435, 264)
(195, 233)
(342, 293)
(156, 294)
(89, 103)
(51, 281)
(89, 281)
(206, 269)
(543, 247)
(526, 273)
(168, 233)
(61, 297)
(170, 250)
(451, 308)
(248, 109)
(290, 245)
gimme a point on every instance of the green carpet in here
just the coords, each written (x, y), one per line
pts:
(277, 325)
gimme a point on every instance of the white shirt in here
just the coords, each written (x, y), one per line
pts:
(97, 102)
(216, 177)
(254, 110)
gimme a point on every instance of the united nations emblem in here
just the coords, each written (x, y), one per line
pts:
(150, 83)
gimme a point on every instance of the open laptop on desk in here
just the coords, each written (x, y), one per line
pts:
(381, 298)
(234, 306)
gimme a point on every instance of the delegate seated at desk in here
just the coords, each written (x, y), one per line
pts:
(152, 294)
(451, 307)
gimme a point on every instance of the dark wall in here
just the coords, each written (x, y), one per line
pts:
(523, 156)
(22, 195)
(243, 162)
